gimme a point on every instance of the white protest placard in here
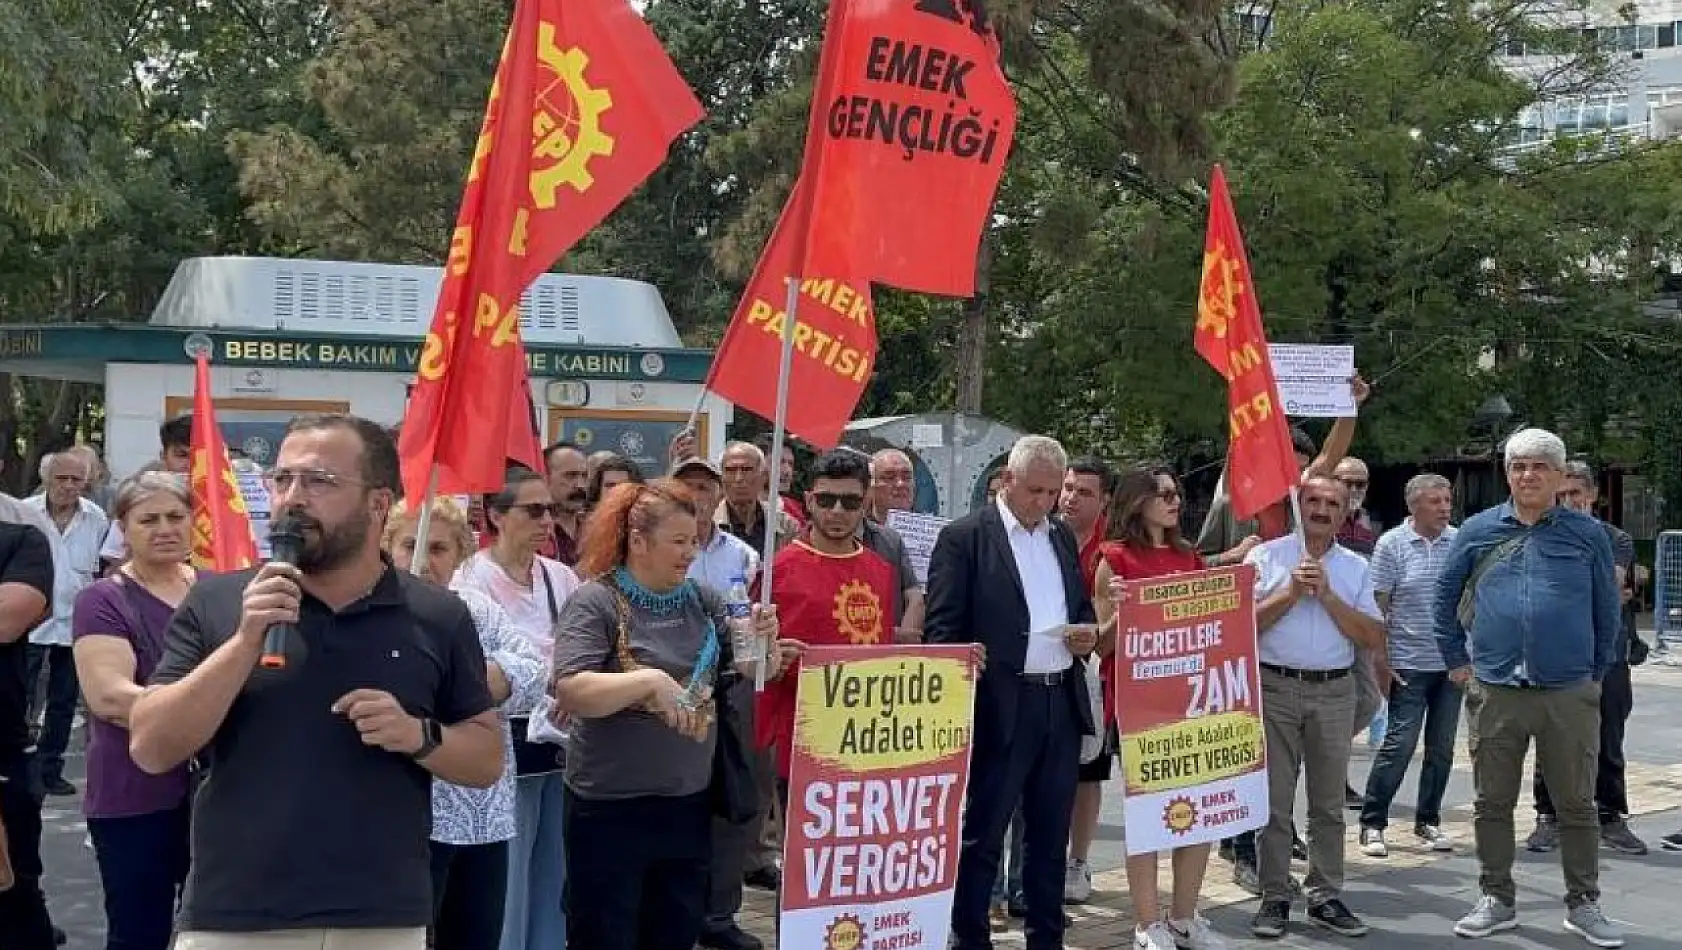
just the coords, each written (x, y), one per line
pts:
(256, 496)
(918, 531)
(1314, 380)
(926, 436)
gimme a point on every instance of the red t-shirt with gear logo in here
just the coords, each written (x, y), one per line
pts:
(822, 600)
(1132, 563)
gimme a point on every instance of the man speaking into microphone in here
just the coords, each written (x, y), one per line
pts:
(315, 808)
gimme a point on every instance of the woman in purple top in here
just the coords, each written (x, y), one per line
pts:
(138, 822)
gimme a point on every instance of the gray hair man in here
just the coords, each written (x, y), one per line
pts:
(1617, 698)
(1410, 670)
(1527, 617)
(78, 529)
(746, 506)
(893, 484)
(1007, 578)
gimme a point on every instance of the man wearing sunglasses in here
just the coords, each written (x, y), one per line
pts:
(1357, 533)
(829, 588)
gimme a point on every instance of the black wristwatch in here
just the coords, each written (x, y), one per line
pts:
(432, 736)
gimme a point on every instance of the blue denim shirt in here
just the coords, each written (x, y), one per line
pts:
(1546, 615)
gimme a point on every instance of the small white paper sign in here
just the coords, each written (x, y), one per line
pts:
(918, 531)
(1314, 380)
(256, 496)
(927, 436)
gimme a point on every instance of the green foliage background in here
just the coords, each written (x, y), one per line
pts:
(1364, 144)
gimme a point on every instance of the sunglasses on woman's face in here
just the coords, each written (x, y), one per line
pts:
(825, 499)
(535, 510)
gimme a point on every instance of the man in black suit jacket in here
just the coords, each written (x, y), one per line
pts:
(1007, 578)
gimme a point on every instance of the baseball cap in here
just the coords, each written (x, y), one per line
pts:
(695, 461)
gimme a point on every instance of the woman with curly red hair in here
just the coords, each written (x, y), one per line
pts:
(642, 659)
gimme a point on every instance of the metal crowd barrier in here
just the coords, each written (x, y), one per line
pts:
(1667, 598)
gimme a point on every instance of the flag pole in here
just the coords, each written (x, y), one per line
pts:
(423, 523)
(784, 367)
(695, 416)
(1296, 514)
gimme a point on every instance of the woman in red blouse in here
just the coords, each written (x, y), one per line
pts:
(1148, 544)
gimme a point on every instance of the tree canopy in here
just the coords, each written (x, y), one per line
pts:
(1366, 144)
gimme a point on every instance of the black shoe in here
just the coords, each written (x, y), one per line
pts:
(1337, 918)
(1617, 836)
(1353, 799)
(1017, 906)
(60, 787)
(764, 879)
(1270, 922)
(1671, 842)
(730, 938)
(60, 938)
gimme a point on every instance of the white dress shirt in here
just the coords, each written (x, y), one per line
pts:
(115, 548)
(1306, 638)
(75, 564)
(1042, 585)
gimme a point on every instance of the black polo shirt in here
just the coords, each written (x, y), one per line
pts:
(297, 824)
(26, 558)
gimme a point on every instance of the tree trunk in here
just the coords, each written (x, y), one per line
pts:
(972, 332)
(12, 473)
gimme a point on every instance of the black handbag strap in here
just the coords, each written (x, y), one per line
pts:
(148, 643)
(549, 595)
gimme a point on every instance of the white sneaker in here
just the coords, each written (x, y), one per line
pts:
(1372, 843)
(1155, 937)
(1077, 882)
(1196, 934)
(1433, 836)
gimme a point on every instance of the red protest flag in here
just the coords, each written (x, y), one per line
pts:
(834, 336)
(222, 537)
(583, 109)
(912, 120)
(910, 125)
(1261, 468)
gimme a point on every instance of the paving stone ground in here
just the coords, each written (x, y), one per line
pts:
(1410, 899)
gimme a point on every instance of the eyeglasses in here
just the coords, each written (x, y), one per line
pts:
(824, 499)
(1169, 495)
(535, 510)
(310, 481)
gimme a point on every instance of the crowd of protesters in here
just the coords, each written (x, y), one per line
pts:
(540, 730)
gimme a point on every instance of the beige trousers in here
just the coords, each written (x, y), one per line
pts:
(392, 939)
(1307, 726)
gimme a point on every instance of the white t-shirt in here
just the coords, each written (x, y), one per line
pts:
(527, 606)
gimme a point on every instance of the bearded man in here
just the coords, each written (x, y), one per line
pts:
(322, 768)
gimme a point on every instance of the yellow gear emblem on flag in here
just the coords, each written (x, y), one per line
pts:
(566, 126)
(858, 613)
(1222, 285)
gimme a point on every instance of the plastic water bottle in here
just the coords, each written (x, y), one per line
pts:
(1380, 722)
(738, 608)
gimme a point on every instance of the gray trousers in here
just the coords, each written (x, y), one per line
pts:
(1565, 725)
(1307, 726)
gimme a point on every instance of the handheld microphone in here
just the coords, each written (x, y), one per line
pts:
(286, 540)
